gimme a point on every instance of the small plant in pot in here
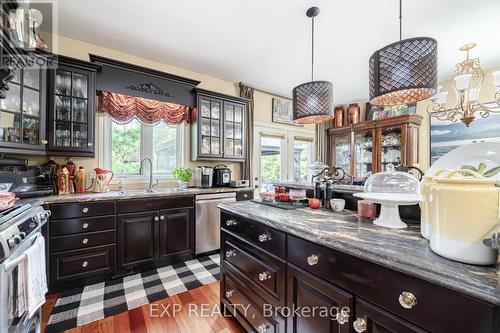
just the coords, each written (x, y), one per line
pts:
(183, 175)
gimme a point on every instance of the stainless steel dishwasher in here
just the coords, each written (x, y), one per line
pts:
(208, 220)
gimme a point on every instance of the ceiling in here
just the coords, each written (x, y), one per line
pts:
(266, 43)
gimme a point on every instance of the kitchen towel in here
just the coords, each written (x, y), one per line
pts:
(36, 278)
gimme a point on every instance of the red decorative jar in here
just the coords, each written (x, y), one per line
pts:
(353, 113)
(339, 116)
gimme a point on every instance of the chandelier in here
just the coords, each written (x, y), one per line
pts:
(313, 101)
(466, 82)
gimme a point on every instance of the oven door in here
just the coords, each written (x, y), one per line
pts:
(10, 320)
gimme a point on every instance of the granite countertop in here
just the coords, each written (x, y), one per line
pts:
(342, 188)
(400, 249)
(130, 194)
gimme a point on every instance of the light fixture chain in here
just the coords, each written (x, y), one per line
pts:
(312, 50)
(400, 20)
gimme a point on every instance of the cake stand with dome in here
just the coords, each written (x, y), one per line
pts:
(391, 189)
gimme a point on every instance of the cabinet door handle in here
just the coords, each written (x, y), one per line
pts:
(359, 325)
(264, 238)
(343, 317)
(90, 144)
(85, 225)
(85, 210)
(85, 264)
(162, 217)
(85, 241)
(262, 328)
(157, 218)
(229, 293)
(313, 259)
(264, 276)
(44, 142)
(230, 222)
(230, 253)
(407, 300)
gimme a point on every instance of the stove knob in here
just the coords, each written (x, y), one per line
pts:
(13, 241)
(22, 235)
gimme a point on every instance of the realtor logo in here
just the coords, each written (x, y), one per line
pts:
(27, 30)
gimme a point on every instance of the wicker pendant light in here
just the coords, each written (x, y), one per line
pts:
(313, 101)
(403, 72)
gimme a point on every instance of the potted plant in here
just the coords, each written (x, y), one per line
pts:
(183, 175)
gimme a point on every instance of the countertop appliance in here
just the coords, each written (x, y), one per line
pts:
(203, 176)
(208, 220)
(19, 227)
(26, 181)
(240, 183)
(222, 176)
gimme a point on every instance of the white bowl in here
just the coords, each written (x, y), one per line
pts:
(337, 205)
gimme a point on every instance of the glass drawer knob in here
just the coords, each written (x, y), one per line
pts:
(90, 144)
(230, 222)
(162, 217)
(264, 276)
(230, 253)
(44, 142)
(85, 240)
(312, 260)
(359, 325)
(407, 300)
(229, 293)
(85, 225)
(157, 218)
(262, 328)
(85, 264)
(343, 317)
(264, 238)
(85, 210)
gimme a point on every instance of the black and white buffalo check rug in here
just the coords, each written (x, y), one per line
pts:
(93, 302)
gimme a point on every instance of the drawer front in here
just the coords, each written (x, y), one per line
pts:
(394, 291)
(74, 226)
(152, 204)
(244, 195)
(265, 272)
(77, 264)
(266, 238)
(80, 241)
(70, 210)
(234, 296)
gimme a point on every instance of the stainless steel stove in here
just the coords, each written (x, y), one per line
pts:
(19, 228)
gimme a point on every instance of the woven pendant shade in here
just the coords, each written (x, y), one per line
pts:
(404, 72)
(312, 102)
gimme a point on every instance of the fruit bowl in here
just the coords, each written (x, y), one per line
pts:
(267, 196)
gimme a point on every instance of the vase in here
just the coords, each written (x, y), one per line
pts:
(182, 185)
(339, 116)
(353, 113)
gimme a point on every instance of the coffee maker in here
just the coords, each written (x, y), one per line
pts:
(203, 176)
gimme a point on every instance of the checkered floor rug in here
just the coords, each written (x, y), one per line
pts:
(93, 302)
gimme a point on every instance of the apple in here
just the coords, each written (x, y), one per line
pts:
(314, 203)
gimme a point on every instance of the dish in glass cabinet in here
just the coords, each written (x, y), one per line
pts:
(470, 155)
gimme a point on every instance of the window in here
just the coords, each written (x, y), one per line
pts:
(302, 158)
(126, 145)
(270, 160)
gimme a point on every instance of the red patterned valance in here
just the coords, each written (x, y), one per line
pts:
(124, 108)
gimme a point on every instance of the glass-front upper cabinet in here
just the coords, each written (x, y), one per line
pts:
(391, 147)
(364, 148)
(342, 151)
(218, 128)
(210, 127)
(22, 112)
(233, 130)
(71, 116)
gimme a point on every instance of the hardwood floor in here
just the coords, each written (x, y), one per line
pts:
(176, 320)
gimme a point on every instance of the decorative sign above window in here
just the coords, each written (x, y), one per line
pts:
(150, 88)
(283, 112)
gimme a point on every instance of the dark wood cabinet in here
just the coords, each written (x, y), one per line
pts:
(137, 239)
(308, 291)
(175, 234)
(370, 146)
(372, 319)
(23, 113)
(218, 127)
(72, 102)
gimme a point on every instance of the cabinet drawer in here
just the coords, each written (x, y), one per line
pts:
(78, 225)
(244, 195)
(84, 240)
(152, 204)
(250, 315)
(266, 238)
(69, 210)
(77, 264)
(437, 308)
(263, 271)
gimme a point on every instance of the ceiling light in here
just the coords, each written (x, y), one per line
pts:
(313, 101)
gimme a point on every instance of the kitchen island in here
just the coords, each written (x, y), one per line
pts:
(387, 277)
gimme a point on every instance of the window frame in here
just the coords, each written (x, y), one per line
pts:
(105, 157)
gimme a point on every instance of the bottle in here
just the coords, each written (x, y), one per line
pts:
(353, 113)
(63, 181)
(327, 196)
(80, 180)
(318, 190)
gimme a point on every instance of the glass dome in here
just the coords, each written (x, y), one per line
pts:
(392, 181)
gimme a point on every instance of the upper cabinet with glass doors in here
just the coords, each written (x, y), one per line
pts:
(22, 113)
(218, 127)
(72, 108)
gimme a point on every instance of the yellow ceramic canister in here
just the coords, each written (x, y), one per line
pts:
(425, 186)
(463, 210)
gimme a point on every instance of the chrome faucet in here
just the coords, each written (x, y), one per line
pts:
(150, 188)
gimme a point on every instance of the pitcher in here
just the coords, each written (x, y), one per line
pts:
(101, 182)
